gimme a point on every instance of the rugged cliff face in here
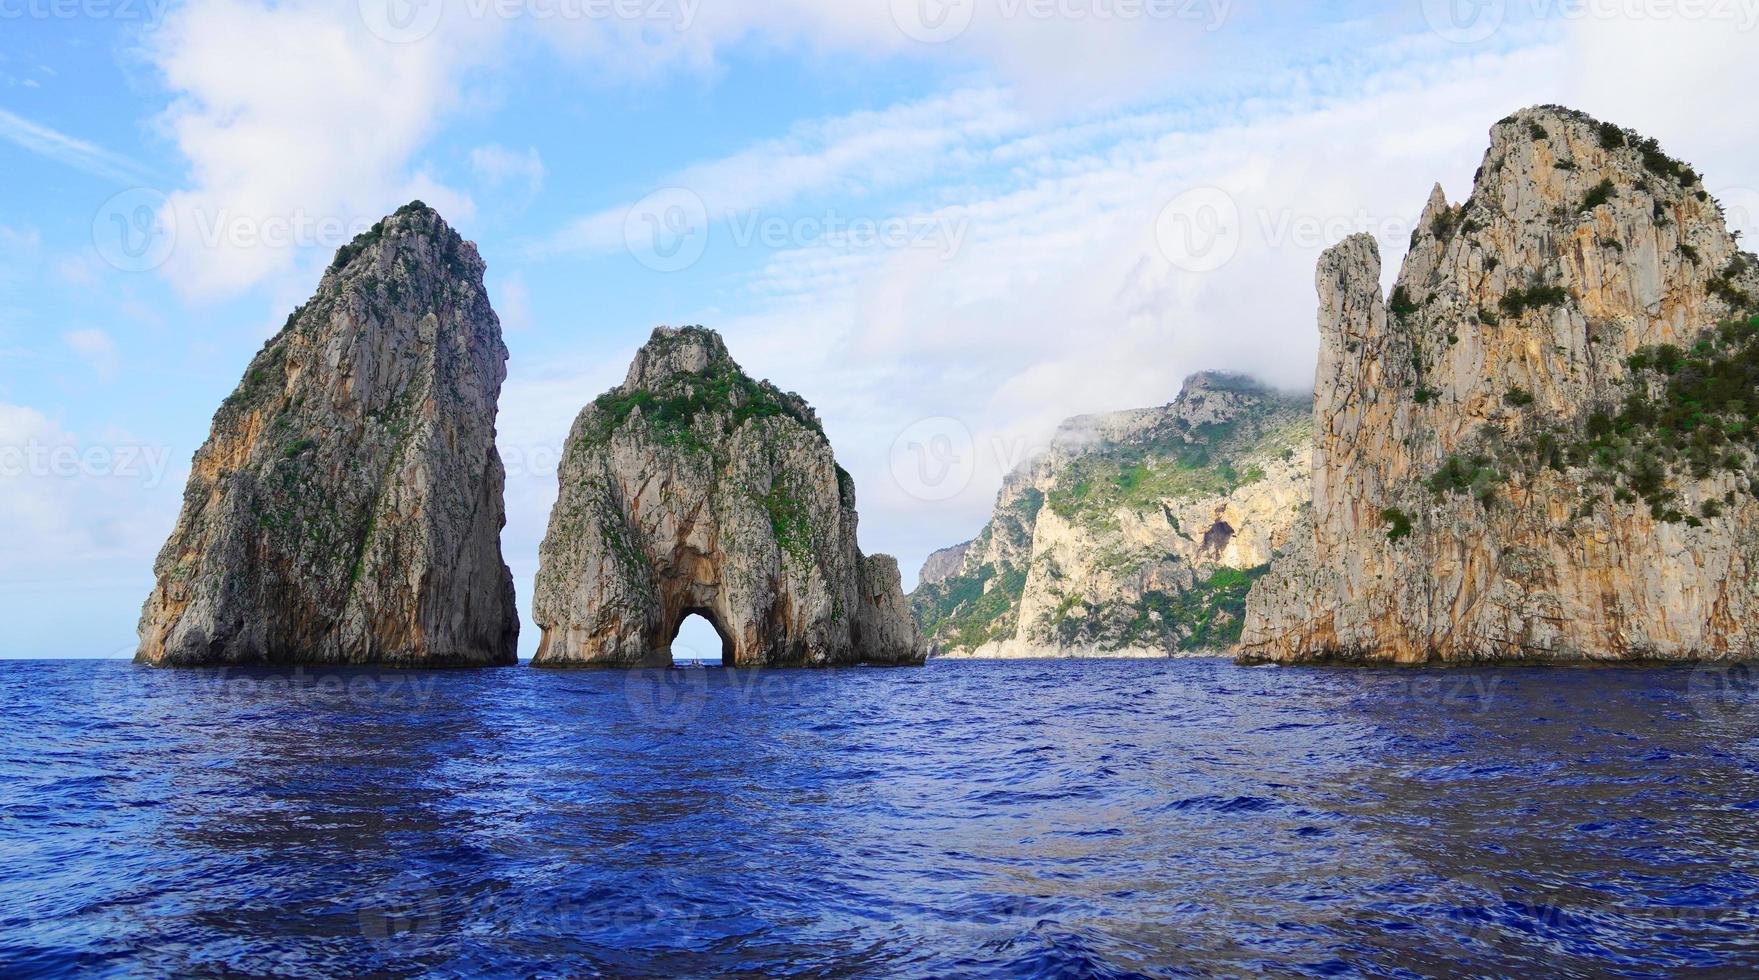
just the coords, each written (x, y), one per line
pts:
(1138, 533)
(1541, 447)
(347, 506)
(694, 489)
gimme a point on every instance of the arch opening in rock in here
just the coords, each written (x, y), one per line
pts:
(699, 639)
(693, 487)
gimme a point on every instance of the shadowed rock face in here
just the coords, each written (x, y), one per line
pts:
(694, 489)
(347, 507)
(1499, 472)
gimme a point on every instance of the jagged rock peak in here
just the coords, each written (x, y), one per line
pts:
(693, 489)
(1512, 458)
(347, 506)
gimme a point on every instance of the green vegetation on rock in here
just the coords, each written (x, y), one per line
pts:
(1210, 616)
(724, 393)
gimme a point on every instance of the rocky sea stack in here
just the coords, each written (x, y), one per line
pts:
(693, 489)
(347, 507)
(1541, 446)
(1138, 533)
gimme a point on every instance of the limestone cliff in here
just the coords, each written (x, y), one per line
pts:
(1541, 446)
(943, 564)
(347, 506)
(692, 488)
(1137, 533)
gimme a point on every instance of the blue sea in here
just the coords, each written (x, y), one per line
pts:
(1110, 819)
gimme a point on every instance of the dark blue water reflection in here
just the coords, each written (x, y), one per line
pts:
(1019, 819)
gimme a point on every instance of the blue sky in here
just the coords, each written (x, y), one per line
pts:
(947, 232)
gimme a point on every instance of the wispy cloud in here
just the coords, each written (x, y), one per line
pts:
(69, 150)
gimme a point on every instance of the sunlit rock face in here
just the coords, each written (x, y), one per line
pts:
(347, 507)
(693, 489)
(1540, 446)
(1138, 533)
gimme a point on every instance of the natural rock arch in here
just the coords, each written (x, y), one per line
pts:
(724, 642)
(693, 488)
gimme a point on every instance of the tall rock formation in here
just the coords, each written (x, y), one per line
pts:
(1541, 447)
(347, 507)
(693, 489)
(1138, 533)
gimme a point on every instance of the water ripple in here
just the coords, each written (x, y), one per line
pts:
(1030, 819)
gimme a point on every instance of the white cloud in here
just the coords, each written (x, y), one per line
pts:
(82, 519)
(499, 166)
(97, 350)
(70, 150)
(1060, 300)
(512, 299)
(1674, 78)
(860, 153)
(1122, 50)
(76, 270)
(299, 126)
(67, 501)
